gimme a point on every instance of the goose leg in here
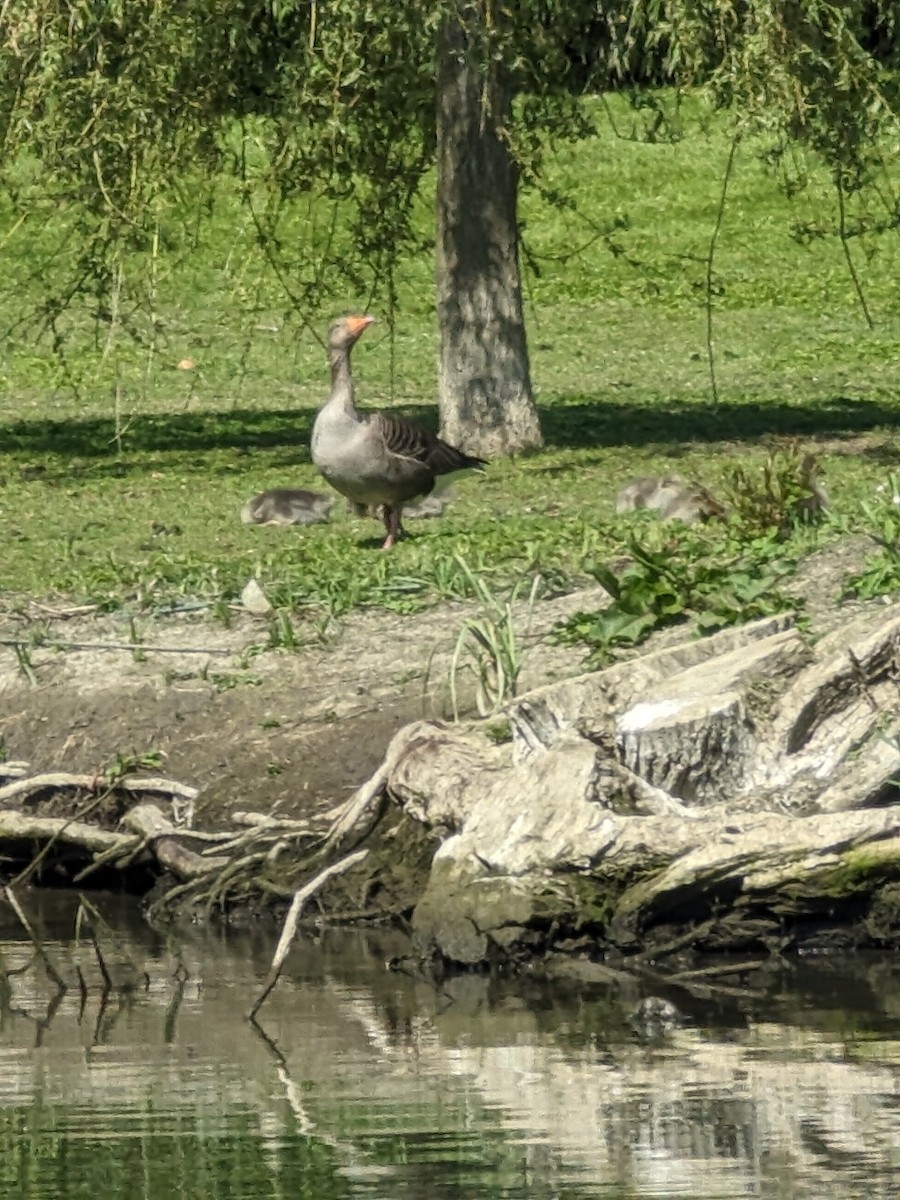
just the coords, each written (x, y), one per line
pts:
(391, 517)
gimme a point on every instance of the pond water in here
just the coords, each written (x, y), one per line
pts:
(364, 1083)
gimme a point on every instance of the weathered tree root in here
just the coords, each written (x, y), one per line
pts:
(28, 787)
(204, 865)
(741, 791)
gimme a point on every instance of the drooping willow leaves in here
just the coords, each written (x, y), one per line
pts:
(117, 110)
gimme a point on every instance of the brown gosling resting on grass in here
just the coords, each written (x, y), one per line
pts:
(671, 496)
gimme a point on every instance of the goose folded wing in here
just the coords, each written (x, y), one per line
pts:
(407, 440)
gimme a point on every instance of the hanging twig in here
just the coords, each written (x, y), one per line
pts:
(289, 930)
(845, 242)
(152, 292)
(710, 350)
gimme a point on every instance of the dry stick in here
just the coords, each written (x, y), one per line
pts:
(289, 930)
(123, 857)
(17, 826)
(842, 215)
(14, 770)
(180, 889)
(35, 940)
(684, 939)
(752, 964)
(256, 835)
(370, 796)
(710, 352)
(64, 614)
(257, 819)
(52, 644)
(21, 788)
(218, 887)
(148, 821)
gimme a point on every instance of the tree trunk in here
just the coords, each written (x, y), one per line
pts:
(486, 403)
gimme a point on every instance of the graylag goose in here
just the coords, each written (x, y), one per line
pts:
(375, 459)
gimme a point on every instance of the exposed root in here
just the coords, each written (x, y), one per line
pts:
(23, 789)
(289, 929)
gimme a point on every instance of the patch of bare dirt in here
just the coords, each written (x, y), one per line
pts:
(264, 729)
(252, 728)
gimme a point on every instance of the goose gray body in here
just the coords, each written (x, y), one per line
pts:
(375, 459)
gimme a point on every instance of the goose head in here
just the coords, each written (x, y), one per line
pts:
(344, 332)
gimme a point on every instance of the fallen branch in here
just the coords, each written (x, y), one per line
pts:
(61, 780)
(727, 968)
(144, 828)
(291, 920)
(95, 802)
(64, 614)
(16, 826)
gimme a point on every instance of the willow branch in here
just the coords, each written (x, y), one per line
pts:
(845, 243)
(710, 257)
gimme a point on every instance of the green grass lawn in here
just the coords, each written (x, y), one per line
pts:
(122, 474)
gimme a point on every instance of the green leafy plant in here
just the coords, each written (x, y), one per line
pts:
(880, 575)
(786, 490)
(680, 579)
(282, 634)
(488, 648)
(226, 681)
(129, 764)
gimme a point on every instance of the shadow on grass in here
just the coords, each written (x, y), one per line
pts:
(582, 422)
(578, 422)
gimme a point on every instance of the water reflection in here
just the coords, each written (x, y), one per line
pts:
(367, 1084)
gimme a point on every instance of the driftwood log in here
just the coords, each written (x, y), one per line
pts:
(739, 791)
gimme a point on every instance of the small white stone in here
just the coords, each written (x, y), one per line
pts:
(254, 599)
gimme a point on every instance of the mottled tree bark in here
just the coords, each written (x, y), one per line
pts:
(486, 402)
